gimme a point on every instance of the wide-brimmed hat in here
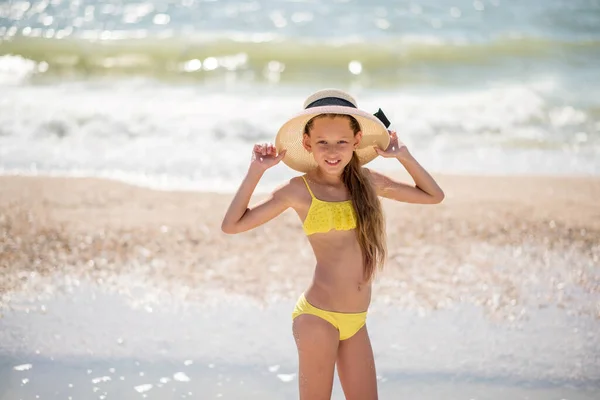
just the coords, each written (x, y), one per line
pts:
(330, 101)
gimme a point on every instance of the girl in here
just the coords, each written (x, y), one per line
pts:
(336, 200)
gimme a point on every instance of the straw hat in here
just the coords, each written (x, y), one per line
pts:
(330, 101)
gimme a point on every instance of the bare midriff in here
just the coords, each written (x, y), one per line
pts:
(338, 283)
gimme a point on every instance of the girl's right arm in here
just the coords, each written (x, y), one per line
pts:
(240, 218)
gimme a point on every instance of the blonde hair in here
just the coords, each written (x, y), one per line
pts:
(370, 221)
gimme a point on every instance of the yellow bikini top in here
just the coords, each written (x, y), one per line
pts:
(324, 216)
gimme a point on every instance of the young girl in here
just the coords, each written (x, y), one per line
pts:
(336, 200)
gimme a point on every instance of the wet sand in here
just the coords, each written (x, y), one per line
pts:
(88, 343)
(493, 292)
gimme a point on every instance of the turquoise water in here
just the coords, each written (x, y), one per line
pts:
(398, 42)
(134, 90)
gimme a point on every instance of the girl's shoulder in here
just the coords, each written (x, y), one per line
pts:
(298, 187)
(295, 190)
(295, 184)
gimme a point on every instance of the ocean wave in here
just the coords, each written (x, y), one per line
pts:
(275, 58)
(149, 131)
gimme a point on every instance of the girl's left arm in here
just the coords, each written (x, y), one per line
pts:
(425, 191)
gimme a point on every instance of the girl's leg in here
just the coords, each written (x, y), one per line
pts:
(317, 341)
(356, 367)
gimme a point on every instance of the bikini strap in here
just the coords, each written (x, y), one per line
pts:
(308, 187)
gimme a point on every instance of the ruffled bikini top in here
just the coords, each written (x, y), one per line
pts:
(324, 216)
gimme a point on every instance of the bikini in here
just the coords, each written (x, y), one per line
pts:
(324, 216)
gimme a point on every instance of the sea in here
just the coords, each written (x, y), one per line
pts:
(173, 94)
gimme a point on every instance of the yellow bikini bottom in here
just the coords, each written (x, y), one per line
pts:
(346, 323)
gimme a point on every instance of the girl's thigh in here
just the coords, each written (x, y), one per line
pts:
(317, 342)
(356, 367)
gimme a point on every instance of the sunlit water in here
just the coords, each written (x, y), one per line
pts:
(174, 94)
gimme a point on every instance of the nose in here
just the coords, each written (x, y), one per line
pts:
(333, 148)
(331, 151)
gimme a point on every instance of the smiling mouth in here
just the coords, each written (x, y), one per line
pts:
(334, 162)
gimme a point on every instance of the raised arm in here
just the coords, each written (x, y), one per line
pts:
(425, 191)
(240, 218)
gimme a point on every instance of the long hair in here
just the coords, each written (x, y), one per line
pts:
(370, 221)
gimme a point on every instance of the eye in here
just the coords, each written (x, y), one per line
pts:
(321, 142)
(342, 142)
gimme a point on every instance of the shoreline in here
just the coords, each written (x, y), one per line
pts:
(499, 243)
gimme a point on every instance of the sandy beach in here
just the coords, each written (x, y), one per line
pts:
(500, 255)
(549, 229)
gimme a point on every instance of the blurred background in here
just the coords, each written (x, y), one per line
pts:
(174, 93)
(109, 290)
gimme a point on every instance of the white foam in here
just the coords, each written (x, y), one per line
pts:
(101, 379)
(181, 377)
(143, 388)
(173, 137)
(16, 69)
(286, 377)
(23, 367)
(274, 368)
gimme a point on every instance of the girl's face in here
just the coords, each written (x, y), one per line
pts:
(332, 142)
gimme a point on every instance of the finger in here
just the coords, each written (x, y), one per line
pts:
(263, 149)
(280, 155)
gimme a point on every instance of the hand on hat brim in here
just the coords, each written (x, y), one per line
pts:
(265, 156)
(395, 148)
